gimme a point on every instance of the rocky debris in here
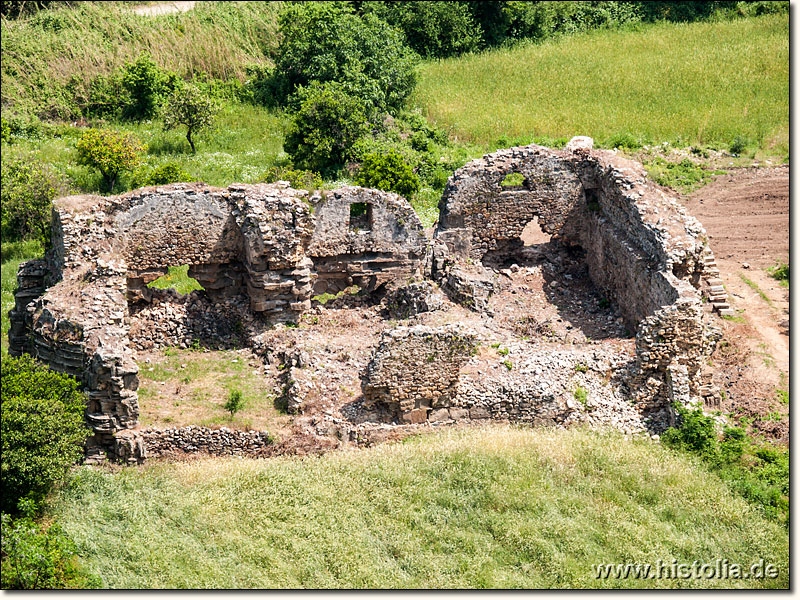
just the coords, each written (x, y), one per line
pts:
(580, 142)
(413, 299)
(415, 369)
(470, 286)
(173, 319)
(290, 394)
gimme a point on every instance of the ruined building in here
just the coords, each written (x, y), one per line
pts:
(276, 248)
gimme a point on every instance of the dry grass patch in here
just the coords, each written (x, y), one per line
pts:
(190, 387)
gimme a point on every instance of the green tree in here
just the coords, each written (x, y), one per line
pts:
(110, 152)
(146, 85)
(388, 172)
(326, 42)
(189, 106)
(433, 29)
(43, 429)
(325, 127)
(27, 190)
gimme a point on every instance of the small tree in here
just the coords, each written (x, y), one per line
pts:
(235, 402)
(43, 430)
(325, 127)
(110, 152)
(27, 189)
(189, 106)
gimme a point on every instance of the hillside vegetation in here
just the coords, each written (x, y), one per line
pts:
(492, 507)
(698, 83)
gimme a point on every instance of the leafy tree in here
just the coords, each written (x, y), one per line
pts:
(27, 190)
(110, 152)
(324, 128)
(326, 42)
(433, 29)
(42, 426)
(388, 172)
(189, 106)
(146, 85)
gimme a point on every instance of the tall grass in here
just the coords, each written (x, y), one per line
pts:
(491, 507)
(679, 83)
(41, 53)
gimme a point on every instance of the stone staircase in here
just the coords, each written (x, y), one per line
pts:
(714, 290)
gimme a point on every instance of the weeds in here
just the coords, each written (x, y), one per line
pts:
(754, 286)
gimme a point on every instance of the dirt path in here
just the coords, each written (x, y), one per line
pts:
(165, 8)
(746, 214)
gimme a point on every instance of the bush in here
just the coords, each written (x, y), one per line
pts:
(43, 430)
(110, 152)
(433, 29)
(739, 144)
(234, 403)
(35, 557)
(146, 85)
(167, 173)
(297, 178)
(324, 128)
(325, 42)
(759, 473)
(388, 172)
(189, 106)
(27, 190)
(780, 271)
(623, 140)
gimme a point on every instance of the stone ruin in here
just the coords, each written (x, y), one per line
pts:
(268, 249)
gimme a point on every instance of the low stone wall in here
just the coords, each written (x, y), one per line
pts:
(415, 369)
(135, 446)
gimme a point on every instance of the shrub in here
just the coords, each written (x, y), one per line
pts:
(325, 127)
(780, 271)
(696, 432)
(235, 402)
(27, 190)
(166, 173)
(110, 152)
(35, 557)
(189, 106)
(739, 144)
(623, 140)
(42, 429)
(297, 178)
(433, 29)
(325, 42)
(146, 85)
(388, 172)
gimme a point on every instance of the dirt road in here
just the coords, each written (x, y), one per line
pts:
(746, 214)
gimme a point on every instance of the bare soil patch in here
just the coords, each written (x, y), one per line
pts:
(746, 214)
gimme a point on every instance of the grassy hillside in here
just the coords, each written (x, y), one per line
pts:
(42, 53)
(698, 83)
(493, 507)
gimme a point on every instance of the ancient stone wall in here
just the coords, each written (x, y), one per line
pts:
(364, 237)
(415, 369)
(86, 307)
(641, 247)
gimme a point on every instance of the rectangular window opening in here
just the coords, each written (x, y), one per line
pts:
(361, 216)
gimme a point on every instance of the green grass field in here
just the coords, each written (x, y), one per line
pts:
(492, 507)
(702, 83)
